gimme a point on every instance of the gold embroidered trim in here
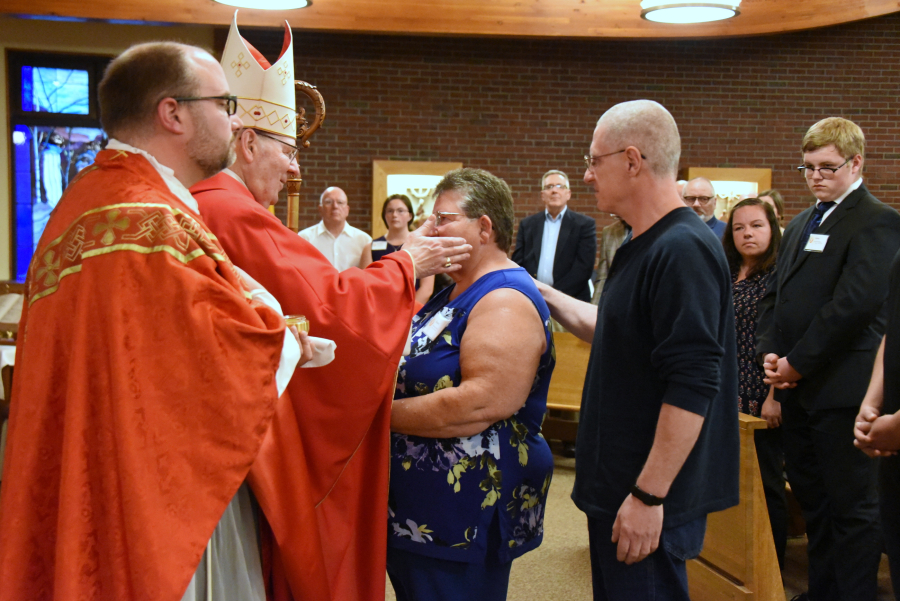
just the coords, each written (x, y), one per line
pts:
(144, 228)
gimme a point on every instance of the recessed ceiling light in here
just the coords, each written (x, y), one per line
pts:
(672, 11)
(268, 4)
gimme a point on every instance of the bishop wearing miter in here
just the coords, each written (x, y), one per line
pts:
(322, 475)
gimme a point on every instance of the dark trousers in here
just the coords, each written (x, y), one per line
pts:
(770, 454)
(889, 495)
(835, 485)
(661, 576)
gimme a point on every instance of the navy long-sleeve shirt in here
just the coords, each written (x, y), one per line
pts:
(665, 334)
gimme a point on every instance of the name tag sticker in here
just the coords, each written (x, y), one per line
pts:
(816, 243)
(437, 325)
(379, 245)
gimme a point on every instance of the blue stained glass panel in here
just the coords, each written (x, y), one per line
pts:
(27, 89)
(45, 160)
(51, 90)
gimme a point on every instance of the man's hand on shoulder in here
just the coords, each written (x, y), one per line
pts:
(636, 530)
(433, 254)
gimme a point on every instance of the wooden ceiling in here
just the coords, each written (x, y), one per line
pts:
(513, 18)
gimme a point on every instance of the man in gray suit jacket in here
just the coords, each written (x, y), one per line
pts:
(557, 246)
(820, 325)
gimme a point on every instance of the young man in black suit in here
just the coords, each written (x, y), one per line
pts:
(819, 328)
(557, 246)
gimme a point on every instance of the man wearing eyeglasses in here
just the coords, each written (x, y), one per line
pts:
(321, 479)
(820, 326)
(657, 440)
(700, 195)
(150, 373)
(341, 243)
(557, 246)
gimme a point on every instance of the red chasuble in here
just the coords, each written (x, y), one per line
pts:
(341, 419)
(144, 386)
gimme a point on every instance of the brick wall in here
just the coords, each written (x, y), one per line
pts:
(520, 107)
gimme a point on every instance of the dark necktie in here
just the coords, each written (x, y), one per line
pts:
(812, 224)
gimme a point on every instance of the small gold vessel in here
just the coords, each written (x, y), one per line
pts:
(299, 321)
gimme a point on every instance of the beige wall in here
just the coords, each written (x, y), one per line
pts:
(54, 36)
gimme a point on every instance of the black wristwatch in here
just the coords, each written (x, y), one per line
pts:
(644, 497)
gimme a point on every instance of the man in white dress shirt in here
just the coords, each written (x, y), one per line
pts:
(341, 243)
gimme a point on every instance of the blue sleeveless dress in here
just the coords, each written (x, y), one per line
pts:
(448, 495)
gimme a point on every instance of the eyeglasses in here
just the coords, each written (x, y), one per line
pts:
(826, 172)
(589, 160)
(704, 200)
(396, 211)
(441, 217)
(290, 155)
(338, 203)
(230, 101)
(549, 187)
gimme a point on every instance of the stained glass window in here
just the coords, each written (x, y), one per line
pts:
(49, 90)
(55, 133)
(45, 159)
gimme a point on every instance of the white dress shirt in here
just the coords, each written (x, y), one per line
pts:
(344, 250)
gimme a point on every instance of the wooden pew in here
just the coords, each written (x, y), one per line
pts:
(565, 387)
(9, 329)
(738, 559)
(6, 374)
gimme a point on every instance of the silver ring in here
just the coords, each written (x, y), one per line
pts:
(448, 263)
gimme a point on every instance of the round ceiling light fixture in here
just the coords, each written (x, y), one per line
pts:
(267, 4)
(672, 11)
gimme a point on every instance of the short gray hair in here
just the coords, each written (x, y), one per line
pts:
(554, 172)
(648, 126)
(483, 194)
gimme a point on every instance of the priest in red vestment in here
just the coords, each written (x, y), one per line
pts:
(147, 375)
(341, 413)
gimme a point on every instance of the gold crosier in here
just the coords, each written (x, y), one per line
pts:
(305, 131)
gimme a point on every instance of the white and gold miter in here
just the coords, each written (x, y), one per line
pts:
(266, 97)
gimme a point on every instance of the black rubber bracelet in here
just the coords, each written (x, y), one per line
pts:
(646, 498)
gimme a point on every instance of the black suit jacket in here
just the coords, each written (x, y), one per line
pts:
(576, 249)
(826, 311)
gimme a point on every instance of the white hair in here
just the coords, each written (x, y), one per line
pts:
(326, 191)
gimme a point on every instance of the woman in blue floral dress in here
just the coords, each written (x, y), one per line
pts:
(751, 243)
(469, 469)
